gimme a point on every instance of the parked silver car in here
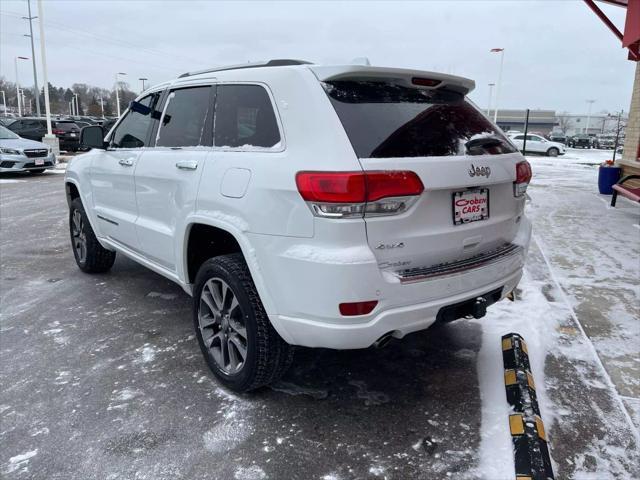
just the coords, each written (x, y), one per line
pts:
(18, 154)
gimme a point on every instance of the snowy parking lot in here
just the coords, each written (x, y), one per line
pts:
(102, 377)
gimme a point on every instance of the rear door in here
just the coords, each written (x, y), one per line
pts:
(168, 173)
(465, 163)
(536, 144)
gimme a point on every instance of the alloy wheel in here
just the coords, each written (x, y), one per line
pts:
(222, 326)
(79, 236)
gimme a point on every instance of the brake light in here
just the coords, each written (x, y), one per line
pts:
(523, 177)
(426, 82)
(352, 194)
(58, 132)
(357, 308)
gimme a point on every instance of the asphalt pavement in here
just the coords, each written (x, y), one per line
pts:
(103, 379)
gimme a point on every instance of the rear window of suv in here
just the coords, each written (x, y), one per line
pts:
(66, 126)
(386, 120)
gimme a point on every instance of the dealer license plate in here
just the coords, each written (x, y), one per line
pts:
(72, 134)
(39, 161)
(470, 206)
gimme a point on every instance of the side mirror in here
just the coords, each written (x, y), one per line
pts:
(93, 137)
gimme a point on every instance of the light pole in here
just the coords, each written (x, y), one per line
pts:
(102, 107)
(77, 107)
(590, 102)
(495, 111)
(117, 94)
(18, 83)
(73, 105)
(4, 102)
(143, 80)
(491, 85)
(33, 57)
(49, 138)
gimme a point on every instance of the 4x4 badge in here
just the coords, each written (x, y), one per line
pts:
(479, 171)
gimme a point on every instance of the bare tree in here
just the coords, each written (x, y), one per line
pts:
(564, 122)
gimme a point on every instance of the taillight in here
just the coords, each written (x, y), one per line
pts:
(357, 194)
(58, 132)
(523, 177)
(357, 308)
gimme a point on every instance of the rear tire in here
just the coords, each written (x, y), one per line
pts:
(91, 257)
(553, 152)
(239, 344)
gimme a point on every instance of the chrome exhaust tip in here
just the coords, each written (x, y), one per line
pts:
(383, 341)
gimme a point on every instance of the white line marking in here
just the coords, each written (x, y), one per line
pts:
(610, 383)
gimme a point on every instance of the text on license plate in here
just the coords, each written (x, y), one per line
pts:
(39, 161)
(470, 206)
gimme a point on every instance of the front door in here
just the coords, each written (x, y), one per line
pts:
(168, 174)
(112, 177)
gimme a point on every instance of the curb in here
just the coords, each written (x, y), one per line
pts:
(530, 447)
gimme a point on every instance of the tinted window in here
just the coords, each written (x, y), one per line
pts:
(66, 126)
(384, 120)
(245, 116)
(519, 137)
(134, 127)
(184, 118)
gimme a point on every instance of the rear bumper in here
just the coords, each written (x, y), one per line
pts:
(398, 321)
(305, 292)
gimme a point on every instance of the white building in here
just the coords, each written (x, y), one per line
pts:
(571, 123)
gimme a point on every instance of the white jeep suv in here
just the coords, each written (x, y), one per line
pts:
(322, 206)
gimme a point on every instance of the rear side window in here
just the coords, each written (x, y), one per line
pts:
(184, 119)
(386, 120)
(245, 117)
(132, 131)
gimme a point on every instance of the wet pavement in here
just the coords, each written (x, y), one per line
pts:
(102, 377)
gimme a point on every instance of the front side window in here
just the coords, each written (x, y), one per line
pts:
(388, 120)
(245, 117)
(134, 128)
(183, 122)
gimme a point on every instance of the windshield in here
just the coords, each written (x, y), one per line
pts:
(6, 134)
(387, 120)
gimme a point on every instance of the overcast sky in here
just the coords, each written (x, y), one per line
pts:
(558, 53)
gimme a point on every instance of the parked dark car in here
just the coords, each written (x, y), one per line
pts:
(68, 132)
(580, 141)
(558, 137)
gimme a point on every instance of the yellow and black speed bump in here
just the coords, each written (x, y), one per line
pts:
(530, 447)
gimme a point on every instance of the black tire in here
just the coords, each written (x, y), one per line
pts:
(553, 152)
(38, 171)
(268, 356)
(96, 258)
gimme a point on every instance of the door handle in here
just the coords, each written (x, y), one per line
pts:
(187, 165)
(126, 162)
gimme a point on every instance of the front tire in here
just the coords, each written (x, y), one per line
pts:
(240, 345)
(91, 257)
(553, 152)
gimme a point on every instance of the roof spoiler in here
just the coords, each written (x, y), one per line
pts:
(402, 76)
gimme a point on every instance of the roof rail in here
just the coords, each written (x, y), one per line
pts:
(279, 62)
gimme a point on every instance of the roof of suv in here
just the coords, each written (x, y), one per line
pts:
(355, 72)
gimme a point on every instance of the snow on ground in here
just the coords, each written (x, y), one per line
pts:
(559, 347)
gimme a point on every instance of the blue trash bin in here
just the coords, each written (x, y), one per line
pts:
(607, 177)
